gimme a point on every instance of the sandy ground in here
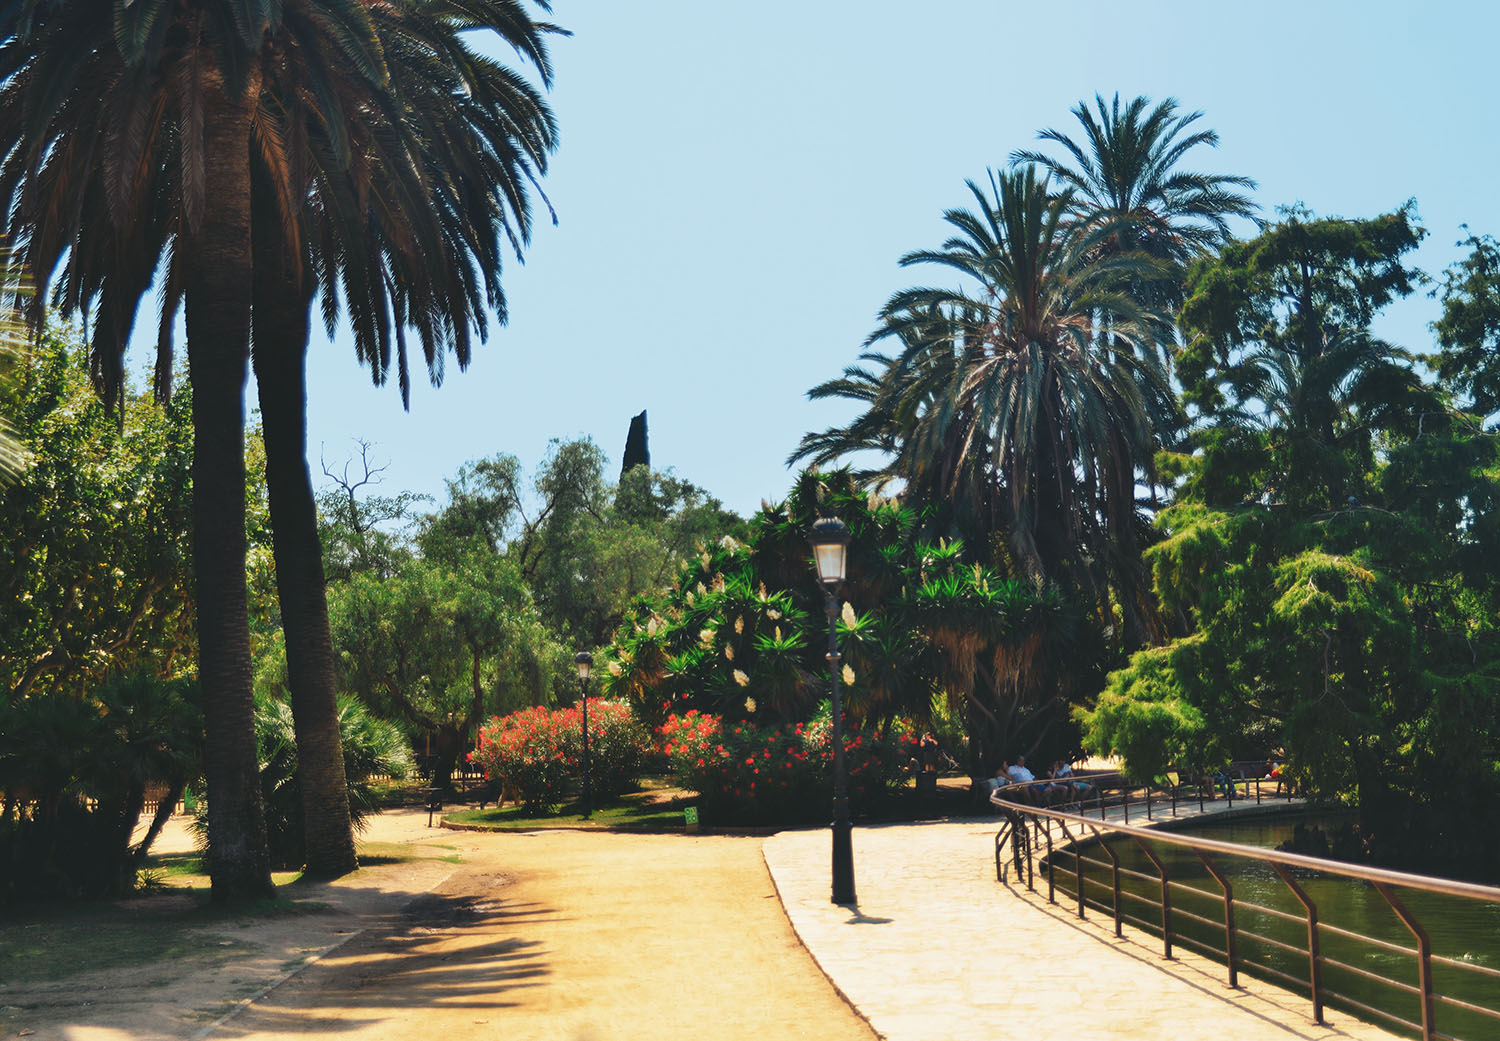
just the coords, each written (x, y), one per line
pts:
(566, 935)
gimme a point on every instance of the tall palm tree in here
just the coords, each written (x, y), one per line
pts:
(163, 165)
(1048, 408)
(401, 202)
(1124, 174)
(415, 228)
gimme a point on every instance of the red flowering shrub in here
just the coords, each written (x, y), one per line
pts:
(618, 745)
(536, 754)
(782, 775)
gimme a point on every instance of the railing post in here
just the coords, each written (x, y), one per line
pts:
(1166, 897)
(1127, 803)
(1030, 860)
(999, 847)
(1148, 801)
(1424, 956)
(1114, 862)
(1314, 954)
(1077, 864)
(1051, 867)
(1230, 954)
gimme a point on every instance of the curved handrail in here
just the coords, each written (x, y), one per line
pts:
(1407, 880)
(1026, 822)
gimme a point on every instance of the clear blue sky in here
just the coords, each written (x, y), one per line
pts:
(737, 181)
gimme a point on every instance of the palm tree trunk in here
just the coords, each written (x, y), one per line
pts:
(281, 336)
(217, 283)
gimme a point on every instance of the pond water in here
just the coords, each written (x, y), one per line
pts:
(1459, 929)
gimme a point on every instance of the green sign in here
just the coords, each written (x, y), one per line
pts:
(690, 815)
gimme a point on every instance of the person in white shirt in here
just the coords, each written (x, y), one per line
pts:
(1020, 775)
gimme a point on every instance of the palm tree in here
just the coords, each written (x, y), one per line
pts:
(104, 189)
(404, 206)
(1124, 175)
(415, 229)
(14, 458)
(1052, 409)
(1050, 417)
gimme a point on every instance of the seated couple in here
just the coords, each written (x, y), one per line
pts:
(1060, 789)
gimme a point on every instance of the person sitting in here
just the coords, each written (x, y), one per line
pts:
(1063, 789)
(1077, 789)
(1020, 775)
(1223, 783)
(1000, 780)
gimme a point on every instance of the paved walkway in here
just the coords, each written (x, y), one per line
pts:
(577, 936)
(937, 950)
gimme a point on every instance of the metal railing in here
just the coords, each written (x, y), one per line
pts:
(1039, 837)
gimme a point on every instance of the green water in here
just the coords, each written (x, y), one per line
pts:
(1459, 929)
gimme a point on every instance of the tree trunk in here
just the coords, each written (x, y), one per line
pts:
(158, 821)
(281, 335)
(217, 283)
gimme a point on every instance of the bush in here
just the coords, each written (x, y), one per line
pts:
(618, 745)
(747, 774)
(536, 753)
(73, 778)
(372, 747)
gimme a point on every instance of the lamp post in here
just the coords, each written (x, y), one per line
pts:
(830, 543)
(585, 661)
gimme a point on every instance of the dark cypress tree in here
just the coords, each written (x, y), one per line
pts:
(636, 452)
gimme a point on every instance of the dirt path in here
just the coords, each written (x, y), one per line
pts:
(572, 936)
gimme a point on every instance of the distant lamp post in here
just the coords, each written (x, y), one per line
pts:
(585, 662)
(830, 543)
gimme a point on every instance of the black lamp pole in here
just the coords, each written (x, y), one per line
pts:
(830, 540)
(585, 661)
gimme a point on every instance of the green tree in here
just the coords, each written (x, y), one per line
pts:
(439, 646)
(1469, 330)
(99, 536)
(1330, 553)
(584, 548)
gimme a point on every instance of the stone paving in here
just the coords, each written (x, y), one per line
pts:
(937, 950)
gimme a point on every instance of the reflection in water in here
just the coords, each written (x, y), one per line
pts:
(1459, 929)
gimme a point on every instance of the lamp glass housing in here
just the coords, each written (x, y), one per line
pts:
(830, 543)
(830, 557)
(585, 662)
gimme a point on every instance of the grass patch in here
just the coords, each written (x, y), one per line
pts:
(637, 811)
(658, 807)
(373, 854)
(55, 942)
(176, 872)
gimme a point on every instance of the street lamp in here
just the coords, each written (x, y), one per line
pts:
(830, 543)
(585, 661)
